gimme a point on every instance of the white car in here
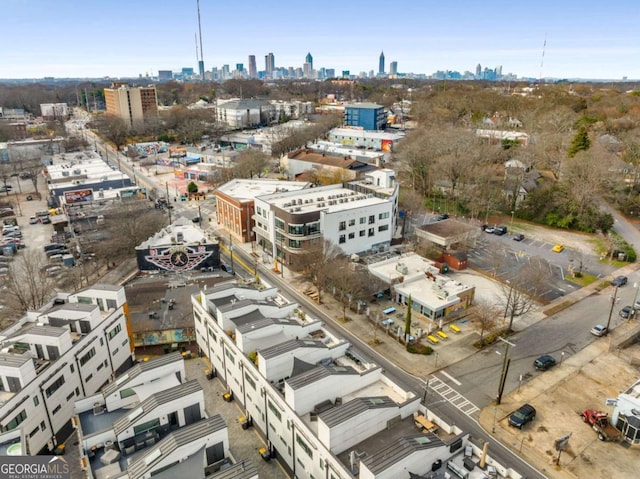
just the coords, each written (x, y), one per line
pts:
(599, 330)
(33, 220)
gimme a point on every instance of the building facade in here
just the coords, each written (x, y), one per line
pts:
(368, 116)
(381, 64)
(253, 69)
(66, 350)
(356, 216)
(54, 111)
(375, 140)
(132, 104)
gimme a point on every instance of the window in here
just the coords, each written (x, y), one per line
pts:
(16, 421)
(126, 340)
(212, 335)
(230, 356)
(34, 432)
(127, 392)
(363, 220)
(54, 386)
(84, 359)
(250, 380)
(352, 235)
(372, 219)
(371, 232)
(352, 222)
(383, 216)
(36, 401)
(362, 233)
(70, 396)
(303, 445)
(342, 239)
(383, 227)
(146, 426)
(42, 426)
(114, 331)
(342, 226)
(73, 369)
(274, 410)
(115, 351)
(101, 342)
(100, 367)
(295, 243)
(89, 377)
(57, 408)
(279, 223)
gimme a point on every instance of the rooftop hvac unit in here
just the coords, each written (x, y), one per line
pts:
(77, 172)
(299, 201)
(298, 209)
(98, 409)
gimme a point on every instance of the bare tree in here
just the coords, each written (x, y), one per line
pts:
(317, 263)
(522, 292)
(348, 285)
(28, 287)
(114, 129)
(485, 318)
(252, 162)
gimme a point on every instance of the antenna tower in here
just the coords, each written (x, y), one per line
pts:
(201, 62)
(544, 47)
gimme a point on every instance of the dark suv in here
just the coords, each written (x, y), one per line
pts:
(500, 230)
(526, 413)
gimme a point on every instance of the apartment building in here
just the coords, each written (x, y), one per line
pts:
(235, 203)
(357, 216)
(49, 358)
(132, 104)
(359, 138)
(151, 422)
(324, 411)
(368, 116)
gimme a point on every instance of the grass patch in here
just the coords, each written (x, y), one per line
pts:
(418, 348)
(584, 280)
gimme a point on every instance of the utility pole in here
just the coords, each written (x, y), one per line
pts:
(169, 205)
(231, 251)
(505, 368)
(613, 303)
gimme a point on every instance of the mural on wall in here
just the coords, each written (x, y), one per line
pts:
(178, 258)
(165, 336)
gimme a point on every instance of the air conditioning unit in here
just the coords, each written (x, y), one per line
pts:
(98, 409)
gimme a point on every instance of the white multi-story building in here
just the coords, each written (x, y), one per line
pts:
(357, 216)
(149, 422)
(324, 411)
(66, 350)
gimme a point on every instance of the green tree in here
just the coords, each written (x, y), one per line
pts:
(579, 143)
(192, 188)
(407, 321)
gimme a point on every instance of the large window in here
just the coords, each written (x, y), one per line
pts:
(279, 223)
(383, 216)
(16, 421)
(274, 410)
(303, 445)
(54, 386)
(115, 331)
(342, 239)
(383, 227)
(296, 229)
(352, 222)
(371, 232)
(295, 243)
(372, 219)
(84, 359)
(342, 226)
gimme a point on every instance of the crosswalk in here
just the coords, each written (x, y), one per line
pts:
(452, 396)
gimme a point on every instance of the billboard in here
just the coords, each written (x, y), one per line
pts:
(78, 196)
(177, 152)
(387, 145)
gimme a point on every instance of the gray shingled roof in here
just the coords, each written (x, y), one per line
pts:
(14, 360)
(304, 378)
(174, 440)
(138, 368)
(290, 345)
(155, 400)
(355, 407)
(398, 450)
(241, 470)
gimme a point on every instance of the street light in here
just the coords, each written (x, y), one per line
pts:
(512, 213)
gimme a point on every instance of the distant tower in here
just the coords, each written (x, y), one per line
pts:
(478, 71)
(381, 64)
(269, 64)
(201, 61)
(253, 71)
(393, 68)
(309, 59)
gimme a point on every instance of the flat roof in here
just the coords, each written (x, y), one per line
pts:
(339, 414)
(240, 189)
(291, 345)
(318, 373)
(367, 105)
(353, 132)
(14, 360)
(191, 234)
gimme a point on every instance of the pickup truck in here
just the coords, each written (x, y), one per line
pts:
(599, 421)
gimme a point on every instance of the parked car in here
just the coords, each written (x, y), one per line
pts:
(500, 230)
(490, 229)
(599, 330)
(619, 281)
(627, 312)
(518, 237)
(33, 220)
(558, 248)
(523, 415)
(544, 362)
(441, 217)
(197, 219)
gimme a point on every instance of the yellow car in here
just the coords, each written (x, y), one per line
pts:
(558, 248)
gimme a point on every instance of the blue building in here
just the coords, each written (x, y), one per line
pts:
(368, 116)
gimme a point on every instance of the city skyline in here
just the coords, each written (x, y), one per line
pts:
(142, 37)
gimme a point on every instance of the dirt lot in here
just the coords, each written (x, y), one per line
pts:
(582, 381)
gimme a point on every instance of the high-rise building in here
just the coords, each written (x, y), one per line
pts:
(309, 59)
(132, 104)
(253, 70)
(393, 68)
(164, 75)
(478, 71)
(381, 64)
(307, 71)
(239, 67)
(269, 64)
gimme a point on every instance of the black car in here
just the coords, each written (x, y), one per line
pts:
(197, 219)
(544, 362)
(500, 230)
(518, 237)
(627, 312)
(526, 413)
(443, 216)
(619, 281)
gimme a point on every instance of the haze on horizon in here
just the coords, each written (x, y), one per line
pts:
(124, 39)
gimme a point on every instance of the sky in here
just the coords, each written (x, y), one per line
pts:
(586, 39)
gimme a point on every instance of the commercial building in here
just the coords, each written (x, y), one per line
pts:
(54, 111)
(323, 165)
(253, 69)
(133, 104)
(358, 138)
(181, 246)
(433, 294)
(165, 75)
(377, 158)
(323, 410)
(235, 203)
(243, 113)
(626, 414)
(358, 216)
(368, 116)
(66, 350)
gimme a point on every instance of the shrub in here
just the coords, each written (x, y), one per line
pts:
(418, 348)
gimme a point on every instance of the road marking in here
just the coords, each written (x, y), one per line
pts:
(455, 399)
(451, 378)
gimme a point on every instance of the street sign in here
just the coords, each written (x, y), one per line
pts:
(562, 443)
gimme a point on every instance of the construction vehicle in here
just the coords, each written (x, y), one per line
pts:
(599, 421)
